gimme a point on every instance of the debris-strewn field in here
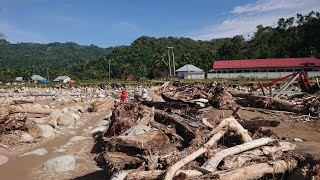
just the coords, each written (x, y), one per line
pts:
(179, 131)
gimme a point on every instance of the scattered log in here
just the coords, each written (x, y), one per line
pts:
(165, 105)
(33, 111)
(158, 174)
(154, 140)
(16, 101)
(213, 162)
(256, 171)
(166, 130)
(237, 161)
(256, 123)
(124, 116)
(228, 123)
(181, 124)
(116, 161)
(220, 97)
(177, 100)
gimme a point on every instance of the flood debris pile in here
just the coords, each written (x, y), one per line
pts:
(155, 144)
(173, 139)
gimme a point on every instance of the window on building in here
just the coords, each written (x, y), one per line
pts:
(272, 70)
(238, 71)
(255, 70)
(246, 71)
(263, 70)
(231, 71)
(224, 71)
(289, 70)
(218, 71)
(280, 70)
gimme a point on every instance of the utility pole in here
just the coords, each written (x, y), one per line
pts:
(169, 63)
(174, 66)
(48, 74)
(109, 70)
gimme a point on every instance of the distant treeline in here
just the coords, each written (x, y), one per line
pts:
(147, 57)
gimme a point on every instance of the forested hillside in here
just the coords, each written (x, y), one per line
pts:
(293, 37)
(25, 59)
(147, 56)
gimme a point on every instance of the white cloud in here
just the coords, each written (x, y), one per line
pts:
(248, 16)
(15, 35)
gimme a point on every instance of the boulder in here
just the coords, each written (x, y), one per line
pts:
(99, 129)
(46, 130)
(66, 120)
(60, 164)
(3, 159)
(26, 137)
(39, 152)
(75, 116)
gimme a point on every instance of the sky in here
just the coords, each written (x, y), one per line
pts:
(108, 23)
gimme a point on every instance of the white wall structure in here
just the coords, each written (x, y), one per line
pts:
(190, 71)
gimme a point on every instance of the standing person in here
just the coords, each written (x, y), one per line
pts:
(124, 95)
(144, 93)
(136, 93)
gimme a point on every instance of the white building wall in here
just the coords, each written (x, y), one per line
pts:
(193, 75)
(258, 74)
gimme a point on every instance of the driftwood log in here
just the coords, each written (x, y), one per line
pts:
(213, 162)
(256, 171)
(228, 123)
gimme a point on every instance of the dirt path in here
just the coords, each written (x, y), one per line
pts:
(28, 167)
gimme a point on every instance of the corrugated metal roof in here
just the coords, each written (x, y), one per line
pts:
(37, 78)
(266, 63)
(61, 78)
(189, 68)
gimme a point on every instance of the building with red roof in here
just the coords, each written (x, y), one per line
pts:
(264, 68)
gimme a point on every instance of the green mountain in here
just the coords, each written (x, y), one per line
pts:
(25, 59)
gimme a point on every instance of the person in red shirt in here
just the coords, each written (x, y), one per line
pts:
(124, 95)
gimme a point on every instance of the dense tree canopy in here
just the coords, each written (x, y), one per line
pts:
(147, 56)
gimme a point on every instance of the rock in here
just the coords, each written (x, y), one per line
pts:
(75, 116)
(77, 108)
(39, 152)
(46, 130)
(65, 110)
(99, 129)
(297, 140)
(3, 159)
(53, 118)
(136, 130)
(66, 120)
(77, 138)
(26, 137)
(101, 95)
(102, 123)
(120, 175)
(60, 150)
(201, 100)
(60, 164)
(202, 105)
(72, 132)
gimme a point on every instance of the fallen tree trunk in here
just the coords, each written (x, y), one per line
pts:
(158, 174)
(182, 126)
(228, 123)
(33, 111)
(172, 99)
(256, 171)
(256, 123)
(237, 161)
(16, 101)
(213, 162)
(166, 130)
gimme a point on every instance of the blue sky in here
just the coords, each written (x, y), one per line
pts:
(118, 22)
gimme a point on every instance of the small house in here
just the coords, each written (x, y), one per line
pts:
(190, 71)
(63, 79)
(38, 78)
